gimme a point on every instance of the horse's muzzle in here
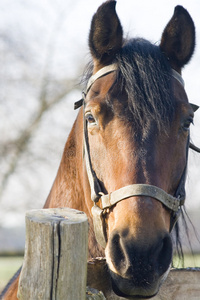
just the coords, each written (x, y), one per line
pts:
(138, 272)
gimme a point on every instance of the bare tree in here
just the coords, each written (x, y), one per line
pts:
(48, 92)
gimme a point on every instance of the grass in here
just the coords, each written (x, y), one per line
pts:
(189, 261)
(10, 264)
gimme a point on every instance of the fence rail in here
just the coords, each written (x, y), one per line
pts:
(181, 284)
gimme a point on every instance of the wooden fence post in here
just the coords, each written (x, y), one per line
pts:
(55, 262)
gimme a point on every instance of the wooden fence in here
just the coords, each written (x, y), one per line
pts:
(55, 263)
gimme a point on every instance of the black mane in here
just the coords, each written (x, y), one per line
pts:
(145, 74)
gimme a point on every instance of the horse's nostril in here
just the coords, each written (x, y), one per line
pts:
(117, 251)
(164, 256)
(133, 260)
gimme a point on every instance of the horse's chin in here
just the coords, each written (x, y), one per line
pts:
(126, 288)
(136, 296)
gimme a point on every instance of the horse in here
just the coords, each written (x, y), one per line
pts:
(124, 163)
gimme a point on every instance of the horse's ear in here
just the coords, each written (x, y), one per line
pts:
(178, 39)
(106, 34)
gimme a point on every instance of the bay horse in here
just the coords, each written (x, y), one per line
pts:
(124, 163)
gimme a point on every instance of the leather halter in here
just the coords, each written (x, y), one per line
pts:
(174, 203)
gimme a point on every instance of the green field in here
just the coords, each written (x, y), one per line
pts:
(9, 265)
(189, 261)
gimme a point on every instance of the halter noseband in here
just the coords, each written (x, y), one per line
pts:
(174, 203)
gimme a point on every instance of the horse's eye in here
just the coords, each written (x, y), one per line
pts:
(90, 119)
(186, 125)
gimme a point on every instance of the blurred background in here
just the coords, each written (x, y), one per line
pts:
(43, 51)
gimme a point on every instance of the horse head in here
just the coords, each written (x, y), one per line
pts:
(136, 137)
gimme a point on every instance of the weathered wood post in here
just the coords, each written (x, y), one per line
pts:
(55, 262)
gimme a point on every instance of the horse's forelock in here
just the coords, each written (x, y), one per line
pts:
(145, 74)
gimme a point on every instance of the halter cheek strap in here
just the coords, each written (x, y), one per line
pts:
(172, 202)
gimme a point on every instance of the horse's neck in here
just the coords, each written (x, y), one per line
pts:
(70, 188)
(67, 189)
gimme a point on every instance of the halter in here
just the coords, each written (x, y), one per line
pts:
(174, 203)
